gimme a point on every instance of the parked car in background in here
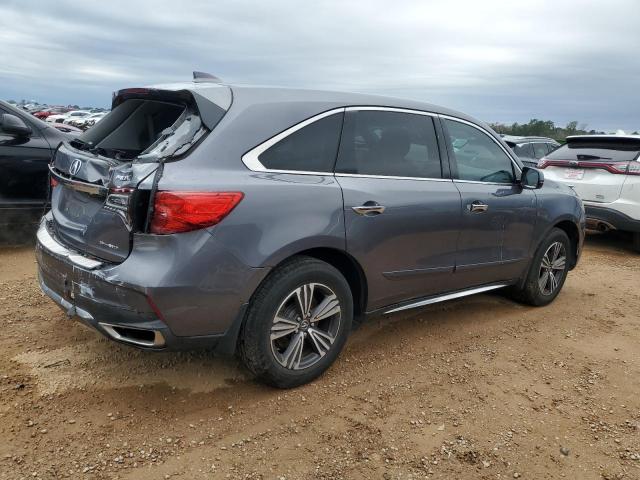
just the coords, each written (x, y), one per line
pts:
(65, 117)
(76, 115)
(184, 219)
(88, 121)
(605, 171)
(530, 149)
(43, 114)
(26, 148)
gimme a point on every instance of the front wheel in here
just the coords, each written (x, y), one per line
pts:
(297, 323)
(548, 270)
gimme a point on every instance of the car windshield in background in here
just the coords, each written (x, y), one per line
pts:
(592, 151)
(143, 129)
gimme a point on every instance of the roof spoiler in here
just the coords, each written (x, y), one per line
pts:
(204, 77)
(604, 139)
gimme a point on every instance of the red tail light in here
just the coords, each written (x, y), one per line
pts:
(185, 211)
(53, 182)
(619, 168)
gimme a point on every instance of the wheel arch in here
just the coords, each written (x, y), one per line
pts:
(572, 231)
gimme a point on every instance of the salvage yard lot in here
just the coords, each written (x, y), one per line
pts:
(476, 388)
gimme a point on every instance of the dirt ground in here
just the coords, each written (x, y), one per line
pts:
(476, 388)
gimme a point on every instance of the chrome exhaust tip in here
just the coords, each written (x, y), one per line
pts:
(601, 226)
(140, 337)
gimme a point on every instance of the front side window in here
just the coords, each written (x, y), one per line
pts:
(313, 148)
(389, 144)
(478, 157)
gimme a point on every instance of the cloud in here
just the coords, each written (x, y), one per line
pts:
(497, 60)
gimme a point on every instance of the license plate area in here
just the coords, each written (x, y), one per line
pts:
(574, 173)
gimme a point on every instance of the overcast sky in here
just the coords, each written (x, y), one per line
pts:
(497, 60)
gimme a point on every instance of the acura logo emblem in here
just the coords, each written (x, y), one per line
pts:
(75, 167)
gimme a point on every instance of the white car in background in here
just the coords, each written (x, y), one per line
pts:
(604, 170)
(89, 121)
(65, 117)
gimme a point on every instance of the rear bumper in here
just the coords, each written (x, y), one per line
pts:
(603, 218)
(157, 315)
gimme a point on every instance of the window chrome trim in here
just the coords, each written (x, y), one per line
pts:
(486, 132)
(251, 161)
(392, 177)
(390, 109)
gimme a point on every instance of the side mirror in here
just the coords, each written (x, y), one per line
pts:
(12, 125)
(531, 178)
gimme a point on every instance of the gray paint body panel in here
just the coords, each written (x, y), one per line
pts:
(423, 244)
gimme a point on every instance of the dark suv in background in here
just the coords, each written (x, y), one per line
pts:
(262, 221)
(26, 148)
(530, 149)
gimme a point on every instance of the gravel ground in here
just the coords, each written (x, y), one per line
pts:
(476, 388)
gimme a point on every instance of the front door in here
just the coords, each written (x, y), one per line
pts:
(498, 215)
(401, 215)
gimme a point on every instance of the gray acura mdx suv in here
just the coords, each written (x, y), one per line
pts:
(262, 221)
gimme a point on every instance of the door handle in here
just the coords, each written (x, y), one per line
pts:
(369, 209)
(477, 207)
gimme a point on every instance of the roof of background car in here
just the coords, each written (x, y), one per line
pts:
(601, 136)
(519, 139)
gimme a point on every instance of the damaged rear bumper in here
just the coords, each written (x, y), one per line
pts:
(93, 292)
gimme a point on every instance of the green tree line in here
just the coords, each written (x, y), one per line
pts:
(544, 128)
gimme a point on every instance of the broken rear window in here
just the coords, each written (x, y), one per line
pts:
(143, 129)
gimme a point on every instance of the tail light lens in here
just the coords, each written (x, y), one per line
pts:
(543, 163)
(176, 212)
(53, 182)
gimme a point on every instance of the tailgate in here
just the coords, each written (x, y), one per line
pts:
(93, 201)
(591, 184)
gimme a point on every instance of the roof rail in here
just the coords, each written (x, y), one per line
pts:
(204, 77)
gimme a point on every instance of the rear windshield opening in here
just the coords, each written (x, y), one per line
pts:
(137, 126)
(584, 152)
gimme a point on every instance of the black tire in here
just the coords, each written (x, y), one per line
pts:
(255, 346)
(636, 241)
(531, 292)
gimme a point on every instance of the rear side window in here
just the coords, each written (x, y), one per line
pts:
(478, 158)
(584, 152)
(540, 150)
(311, 149)
(389, 144)
(523, 150)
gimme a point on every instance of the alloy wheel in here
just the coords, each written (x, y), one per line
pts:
(305, 326)
(552, 268)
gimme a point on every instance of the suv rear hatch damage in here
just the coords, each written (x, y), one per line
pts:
(103, 181)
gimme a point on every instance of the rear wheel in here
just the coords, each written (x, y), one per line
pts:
(548, 270)
(297, 323)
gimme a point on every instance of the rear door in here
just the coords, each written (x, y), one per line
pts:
(595, 167)
(498, 215)
(402, 212)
